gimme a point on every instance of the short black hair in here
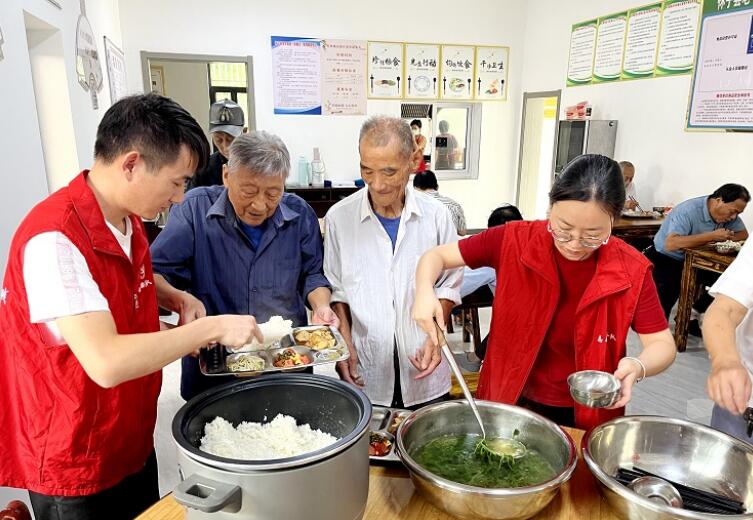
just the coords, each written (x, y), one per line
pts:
(591, 177)
(154, 125)
(503, 215)
(731, 192)
(416, 122)
(425, 180)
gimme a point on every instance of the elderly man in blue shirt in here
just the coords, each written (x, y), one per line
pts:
(245, 248)
(692, 223)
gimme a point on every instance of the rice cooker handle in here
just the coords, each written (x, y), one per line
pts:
(208, 495)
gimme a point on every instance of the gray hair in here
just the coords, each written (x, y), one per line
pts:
(260, 152)
(381, 130)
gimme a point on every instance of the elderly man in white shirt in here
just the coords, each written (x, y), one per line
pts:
(728, 336)
(373, 241)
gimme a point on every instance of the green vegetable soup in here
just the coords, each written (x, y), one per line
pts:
(456, 458)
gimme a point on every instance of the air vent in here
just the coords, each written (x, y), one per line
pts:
(415, 111)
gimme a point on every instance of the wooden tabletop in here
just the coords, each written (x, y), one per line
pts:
(627, 223)
(392, 497)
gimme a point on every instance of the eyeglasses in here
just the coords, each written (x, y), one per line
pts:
(563, 237)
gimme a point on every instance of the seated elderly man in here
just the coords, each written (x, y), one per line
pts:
(373, 240)
(245, 247)
(692, 223)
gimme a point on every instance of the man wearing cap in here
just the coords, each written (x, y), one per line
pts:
(226, 122)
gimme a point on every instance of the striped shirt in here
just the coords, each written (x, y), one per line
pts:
(456, 210)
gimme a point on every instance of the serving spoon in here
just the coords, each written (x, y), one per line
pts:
(498, 447)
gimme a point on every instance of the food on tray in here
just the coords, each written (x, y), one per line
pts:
(281, 437)
(456, 458)
(290, 358)
(395, 422)
(245, 363)
(272, 330)
(728, 246)
(387, 82)
(316, 339)
(328, 355)
(379, 445)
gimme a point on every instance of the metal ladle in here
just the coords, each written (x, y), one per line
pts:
(497, 447)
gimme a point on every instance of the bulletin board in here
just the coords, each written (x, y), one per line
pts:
(721, 94)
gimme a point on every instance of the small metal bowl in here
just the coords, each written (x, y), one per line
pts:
(594, 388)
(657, 490)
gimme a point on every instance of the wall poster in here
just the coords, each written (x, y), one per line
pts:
(722, 90)
(385, 70)
(457, 71)
(116, 71)
(610, 46)
(678, 36)
(343, 77)
(421, 71)
(296, 75)
(641, 42)
(491, 73)
(580, 66)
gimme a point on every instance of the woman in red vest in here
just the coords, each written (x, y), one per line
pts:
(567, 293)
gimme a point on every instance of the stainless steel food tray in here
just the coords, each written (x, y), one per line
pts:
(220, 361)
(384, 423)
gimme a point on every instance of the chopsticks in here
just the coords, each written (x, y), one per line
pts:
(693, 499)
(637, 206)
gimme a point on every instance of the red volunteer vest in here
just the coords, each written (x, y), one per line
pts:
(62, 433)
(528, 290)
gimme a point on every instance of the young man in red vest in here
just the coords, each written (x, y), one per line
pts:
(81, 348)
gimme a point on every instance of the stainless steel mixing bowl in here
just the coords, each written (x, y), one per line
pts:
(681, 451)
(500, 420)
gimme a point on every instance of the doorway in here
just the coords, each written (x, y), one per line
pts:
(196, 81)
(52, 99)
(538, 136)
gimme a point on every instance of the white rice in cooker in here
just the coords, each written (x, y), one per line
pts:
(277, 439)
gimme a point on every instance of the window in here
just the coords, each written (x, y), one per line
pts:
(457, 131)
(228, 81)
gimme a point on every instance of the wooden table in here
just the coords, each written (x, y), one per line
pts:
(705, 258)
(631, 229)
(392, 496)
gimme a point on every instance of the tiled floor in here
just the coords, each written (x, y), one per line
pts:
(678, 392)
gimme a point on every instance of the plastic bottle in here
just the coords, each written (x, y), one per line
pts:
(317, 170)
(303, 172)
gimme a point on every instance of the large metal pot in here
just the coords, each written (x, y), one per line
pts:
(327, 484)
(500, 420)
(681, 451)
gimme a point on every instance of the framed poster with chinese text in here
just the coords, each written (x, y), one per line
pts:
(490, 81)
(641, 42)
(721, 96)
(677, 39)
(385, 70)
(421, 71)
(580, 67)
(116, 70)
(610, 46)
(457, 71)
(343, 77)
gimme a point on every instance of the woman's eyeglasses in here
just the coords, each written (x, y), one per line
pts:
(564, 237)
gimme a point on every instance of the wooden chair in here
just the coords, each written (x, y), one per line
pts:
(481, 297)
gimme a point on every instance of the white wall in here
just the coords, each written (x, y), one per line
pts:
(22, 171)
(188, 84)
(244, 28)
(671, 164)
